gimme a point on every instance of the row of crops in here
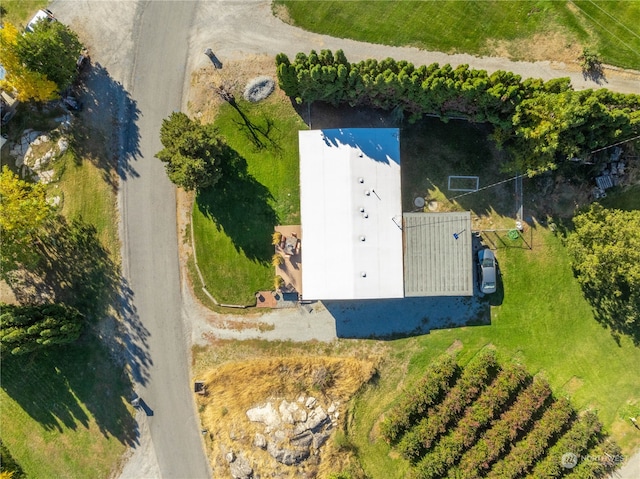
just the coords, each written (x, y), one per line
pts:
(492, 420)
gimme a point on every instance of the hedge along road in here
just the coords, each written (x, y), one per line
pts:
(150, 48)
(233, 29)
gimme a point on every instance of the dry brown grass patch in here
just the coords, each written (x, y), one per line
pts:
(553, 46)
(235, 387)
(233, 76)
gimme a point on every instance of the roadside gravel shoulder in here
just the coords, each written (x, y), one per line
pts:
(236, 29)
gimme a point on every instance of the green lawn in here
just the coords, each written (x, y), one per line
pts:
(19, 12)
(86, 194)
(544, 323)
(481, 27)
(233, 221)
(626, 198)
(64, 412)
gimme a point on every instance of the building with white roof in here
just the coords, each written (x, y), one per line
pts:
(350, 202)
(355, 242)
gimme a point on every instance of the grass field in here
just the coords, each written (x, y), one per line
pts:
(64, 411)
(559, 339)
(524, 30)
(88, 185)
(626, 199)
(19, 12)
(233, 221)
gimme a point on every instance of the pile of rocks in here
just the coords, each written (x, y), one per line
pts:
(35, 153)
(293, 431)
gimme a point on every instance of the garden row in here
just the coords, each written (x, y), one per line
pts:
(487, 420)
(540, 122)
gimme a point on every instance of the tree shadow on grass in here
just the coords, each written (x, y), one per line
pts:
(240, 206)
(617, 313)
(105, 98)
(54, 385)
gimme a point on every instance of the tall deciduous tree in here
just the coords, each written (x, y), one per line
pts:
(24, 329)
(23, 218)
(28, 84)
(192, 152)
(52, 49)
(605, 248)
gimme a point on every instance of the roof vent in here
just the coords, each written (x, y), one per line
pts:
(363, 274)
(361, 180)
(361, 209)
(362, 238)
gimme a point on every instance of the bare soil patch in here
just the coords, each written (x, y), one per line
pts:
(552, 46)
(234, 75)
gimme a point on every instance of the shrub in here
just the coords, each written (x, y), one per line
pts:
(277, 260)
(523, 455)
(540, 123)
(415, 403)
(276, 238)
(278, 282)
(505, 430)
(602, 460)
(576, 440)
(24, 329)
(473, 380)
(589, 60)
(477, 417)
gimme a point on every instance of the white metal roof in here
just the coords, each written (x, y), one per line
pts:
(438, 254)
(351, 214)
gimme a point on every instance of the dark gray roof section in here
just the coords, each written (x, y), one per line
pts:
(438, 259)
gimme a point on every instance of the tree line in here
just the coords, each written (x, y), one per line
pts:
(540, 123)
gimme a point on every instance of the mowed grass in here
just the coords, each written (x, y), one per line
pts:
(88, 195)
(625, 198)
(233, 225)
(19, 12)
(481, 28)
(544, 323)
(64, 413)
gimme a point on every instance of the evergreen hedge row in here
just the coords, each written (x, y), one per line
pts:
(24, 329)
(541, 123)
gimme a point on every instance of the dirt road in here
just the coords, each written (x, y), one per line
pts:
(235, 29)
